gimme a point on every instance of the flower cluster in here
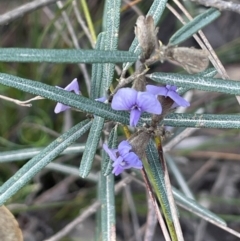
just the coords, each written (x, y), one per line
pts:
(123, 158)
(136, 102)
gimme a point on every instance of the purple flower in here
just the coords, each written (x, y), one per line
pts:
(168, 91)
(73, 86)
(136, 102)
(123, 158)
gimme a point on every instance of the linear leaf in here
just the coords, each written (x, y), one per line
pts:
(37, 163)
(108, 208)
(198, 82)
(91, 146)
(158, 178)
(203, 121)
(112, 21)
(65, 55)
(178, 176)
(184, 201)
(194, 25)
(24, 154)
(65, 97)
(97, 70)
(210, 72)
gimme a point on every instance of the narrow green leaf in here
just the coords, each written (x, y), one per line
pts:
(198, 82)
(97, 70)
(158, 178)
(91, 146)
(112, 143)
(24, 154)
(65, 55)
(194, 26)
(178, 176)
(210, 72)
(112, 21)
(203, 121)
(156, 11)
(65, 97)
(36, 164)
(108, 208)
(190, 204)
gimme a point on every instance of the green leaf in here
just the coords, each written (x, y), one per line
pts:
(112, 20)
(91, 146)
(65, 55)
(24, 154)
(178, 176)
(156, 11)
(197, 82)
(194, 26)
(36, 164)
(190, 204)
(203, 121)
(158, 178)
(210, 72)
(107, 196)
(65, 97)
(97, 70)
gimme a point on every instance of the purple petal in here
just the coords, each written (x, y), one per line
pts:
(73, 86)
(102, 99)
(124, 99)
(178, 99)
(133, 160)
(61, 107)
(110, 152)
(134, 117)
(149, 103)
(171, 87)
(124, 148)
(156, 90)
(117, 170)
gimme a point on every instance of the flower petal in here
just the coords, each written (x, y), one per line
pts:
(178, 99)
(156, 90)
(60, 107)
(124, 99)
(101, 99)
(73, 86)
(124, 148)
(134, 117)
(117, 170)
(132, 160)
(110, 152)
(149, 103)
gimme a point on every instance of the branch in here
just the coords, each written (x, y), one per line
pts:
(24, 9)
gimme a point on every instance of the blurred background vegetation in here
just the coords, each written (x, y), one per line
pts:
(209, 159)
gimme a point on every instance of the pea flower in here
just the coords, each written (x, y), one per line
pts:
(136, 102)
(123, 158)
(73, 86)
(168, 91)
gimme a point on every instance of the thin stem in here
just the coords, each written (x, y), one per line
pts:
(89, 20)
(24, 9)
